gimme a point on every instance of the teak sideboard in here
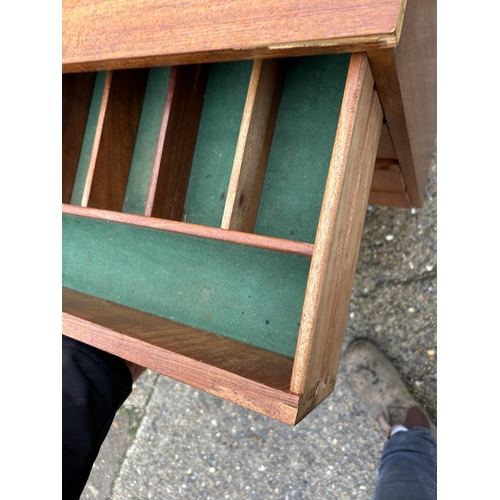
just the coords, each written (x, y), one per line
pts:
(218, 159)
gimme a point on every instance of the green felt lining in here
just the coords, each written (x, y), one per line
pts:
(245, 293)
(302, 147)
(88, 139)
(220, 122)
(146, 141)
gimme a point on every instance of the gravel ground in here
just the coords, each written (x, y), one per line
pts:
(171, 441)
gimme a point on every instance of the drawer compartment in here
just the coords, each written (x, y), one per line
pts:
(213, 230)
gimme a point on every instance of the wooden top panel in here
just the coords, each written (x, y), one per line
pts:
(112, 34)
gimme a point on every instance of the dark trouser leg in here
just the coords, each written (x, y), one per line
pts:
(408, 467)
(94, 386)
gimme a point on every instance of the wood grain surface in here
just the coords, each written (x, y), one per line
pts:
(254, 142)
(406, 79)
(337, 243)
(248, 376)
(77, 92)
(388, 188)
(89, 177)
(387, 176)
(386, 149)
(397, 199)
(112, 34)
(267, 242)
(343, 255)
(113, 152)
(178, 133)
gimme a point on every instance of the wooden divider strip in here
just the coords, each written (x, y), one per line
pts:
(113, 152)
(255, 240)
(254, 143)
(176, 142)
(97, 139)
(146, 140)
(161, 141)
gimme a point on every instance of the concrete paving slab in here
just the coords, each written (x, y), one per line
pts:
(194, 445)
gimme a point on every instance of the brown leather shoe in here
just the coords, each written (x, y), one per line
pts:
(379, 386)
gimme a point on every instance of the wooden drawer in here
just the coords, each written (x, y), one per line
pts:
(212, 216)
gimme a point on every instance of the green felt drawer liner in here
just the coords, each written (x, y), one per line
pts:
(223, 106)
(245, 293)
(88, 139)
(143, 158)
(302, 147)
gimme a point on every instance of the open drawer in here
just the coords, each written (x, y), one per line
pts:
(212, 216)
